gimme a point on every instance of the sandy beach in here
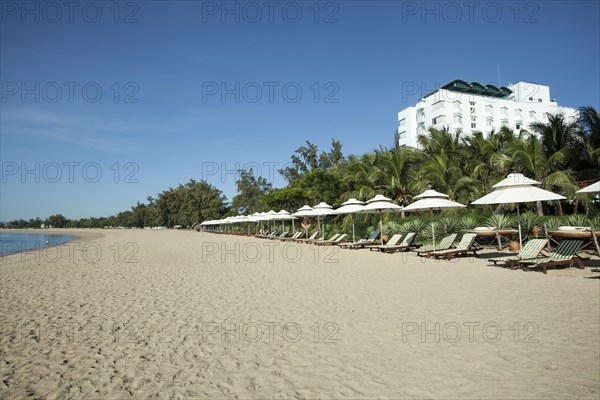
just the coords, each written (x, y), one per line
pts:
(178, 314)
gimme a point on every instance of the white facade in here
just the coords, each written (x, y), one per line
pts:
(474, 107)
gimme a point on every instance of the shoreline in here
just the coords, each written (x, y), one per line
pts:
(76, 233)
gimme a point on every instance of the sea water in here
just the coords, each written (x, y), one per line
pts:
(11, 242)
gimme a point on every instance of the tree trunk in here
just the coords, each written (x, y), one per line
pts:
(540, 210)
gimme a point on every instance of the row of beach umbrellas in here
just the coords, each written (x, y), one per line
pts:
(515, 189)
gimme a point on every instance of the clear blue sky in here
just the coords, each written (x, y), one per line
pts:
(158, 74)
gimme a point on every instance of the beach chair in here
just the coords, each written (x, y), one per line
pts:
(444, 244)
(531, 250)
(392, 242)
(339, 239)
(406, 244)
(370, 240)
(467, 244)
(283, 235)
(295, 236)
(323, 239)
(311, 237)
(564, 254)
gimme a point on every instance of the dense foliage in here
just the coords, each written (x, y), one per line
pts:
(560, 154)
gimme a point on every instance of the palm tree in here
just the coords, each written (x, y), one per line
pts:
(529, 158)
(589, 133)
(558, 134)
(441, 160)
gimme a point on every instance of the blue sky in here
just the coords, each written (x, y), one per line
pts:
(135, 92)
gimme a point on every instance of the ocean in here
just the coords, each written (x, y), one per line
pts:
(11, 242)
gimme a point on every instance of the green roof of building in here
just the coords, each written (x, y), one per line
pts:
(477, 88)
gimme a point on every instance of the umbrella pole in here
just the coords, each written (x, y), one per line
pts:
(353, 240)
(380, 229)
(293, 227)
(520, 238)
(433, 232)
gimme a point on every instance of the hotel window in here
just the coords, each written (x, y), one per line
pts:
(532, 114)
(518, 126)
(439, 120)
(473, 125)
(457, 119)
(437, 105)
(473, 118)
(472, 103)
(488, 122)
(457, 105)
(488, 109)
(403, 122)
(472, 110)
(503, 110)
(518, 112)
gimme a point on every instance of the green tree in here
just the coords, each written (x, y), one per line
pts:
(251, 189)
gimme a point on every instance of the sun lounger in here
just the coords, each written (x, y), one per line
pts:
(467, 244)
(444, 244)
(392, 242)
(323, 240)
(283, 235)
(405, 245)
(296, 236)
(339, 239)
(311, 237)
(564, 254)
(371, 240)
(531, 250)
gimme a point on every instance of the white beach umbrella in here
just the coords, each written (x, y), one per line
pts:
(321, 210)
(352, 206)
(517, 188)
(270, 216)
(432, 200)
(283, 216)
(593, 188)
(379, 205)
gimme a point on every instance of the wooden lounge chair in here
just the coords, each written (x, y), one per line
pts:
(296, 236)
(531, 250)
(311, 237)
(467, 244)
(283, 235)
(339, 239)
(323, 240)
(564, 254)
(392, 242)
(444, 244)
(405, 245)
(370, 240)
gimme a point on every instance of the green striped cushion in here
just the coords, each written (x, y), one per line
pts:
(531, 250)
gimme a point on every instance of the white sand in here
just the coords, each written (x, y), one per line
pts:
(159, 311)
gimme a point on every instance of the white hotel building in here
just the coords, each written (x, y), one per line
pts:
(470, 107)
